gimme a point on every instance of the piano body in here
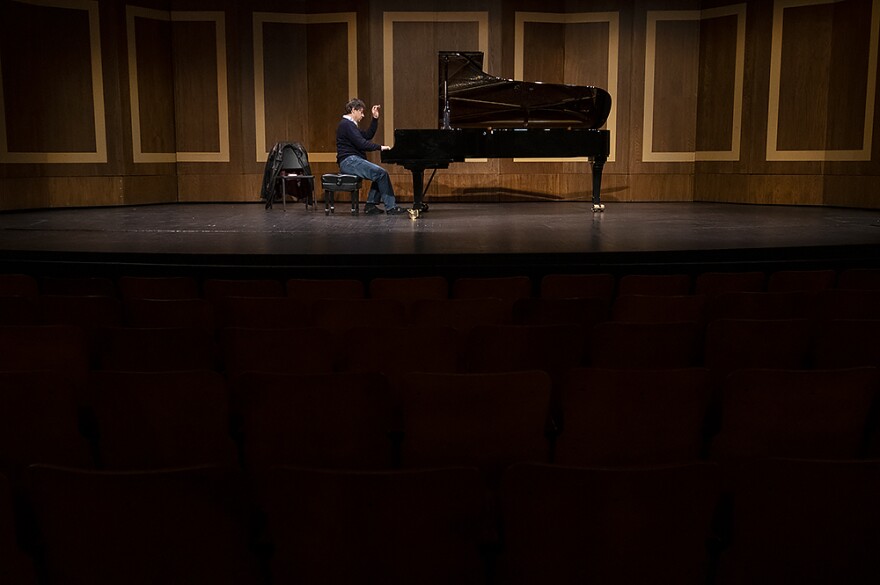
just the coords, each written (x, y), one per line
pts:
(481, 116)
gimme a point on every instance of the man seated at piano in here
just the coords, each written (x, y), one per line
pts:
(352, 145)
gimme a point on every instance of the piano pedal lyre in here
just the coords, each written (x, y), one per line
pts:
(598, 207)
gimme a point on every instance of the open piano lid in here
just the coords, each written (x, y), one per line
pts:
(470, 97)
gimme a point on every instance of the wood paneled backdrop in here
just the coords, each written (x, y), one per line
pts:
(115, 102)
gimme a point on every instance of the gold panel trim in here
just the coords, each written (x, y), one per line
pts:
(613, 20)
(738, 10)
(481, 18)
(654, 16)
(138, 155)
(260, 18)
(773, 153)
(100, 154)
(219, 20)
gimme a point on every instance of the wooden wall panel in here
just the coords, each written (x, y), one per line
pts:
(587, 47)
(51, 107)
(577, 49)
(286, 82)
(717, 84)
(153, 75)
(721, 187)
(411, 41)
(198, 112)
(806, 45)
(545, 58)
(51, 77)
(676, 69)
(821, 50)
(146, 189)
(327, 83)
(850, 191)
(195, 188)
(659, 187)
(49, 192)
(306, 82)
(663, 76)
(848, 79)
(204, 109)
(305, 70)
(416, 90)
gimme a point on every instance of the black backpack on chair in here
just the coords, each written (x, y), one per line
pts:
(288, 173)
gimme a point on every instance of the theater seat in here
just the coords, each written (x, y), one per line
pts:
(609, 526)
(187, 525)
(393, 527)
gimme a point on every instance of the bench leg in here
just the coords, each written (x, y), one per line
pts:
(329, 203)
(355, 206)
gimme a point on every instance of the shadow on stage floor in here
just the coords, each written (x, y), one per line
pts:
(452, 239)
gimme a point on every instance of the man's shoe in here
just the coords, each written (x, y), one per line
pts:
(395, 211)
(371, 209)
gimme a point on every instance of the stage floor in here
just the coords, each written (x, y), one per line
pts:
(476, 237)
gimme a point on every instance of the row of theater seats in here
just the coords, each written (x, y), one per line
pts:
(460, 313)
(593, 285)
(779, 522)
(629, 487)
(496, 438)
(138, 420)
(721, 345)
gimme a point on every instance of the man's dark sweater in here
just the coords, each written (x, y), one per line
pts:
(351, 140)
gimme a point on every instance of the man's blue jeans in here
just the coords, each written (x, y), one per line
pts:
(380, 181)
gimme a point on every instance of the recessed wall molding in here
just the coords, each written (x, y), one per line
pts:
(774, 151)
(389, 20)
(649, 154)
(612, 19)
(99, 155)
(259, 20)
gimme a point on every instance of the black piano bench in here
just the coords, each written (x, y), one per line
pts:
(331, 183)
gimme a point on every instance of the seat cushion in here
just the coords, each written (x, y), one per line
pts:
(339, 182)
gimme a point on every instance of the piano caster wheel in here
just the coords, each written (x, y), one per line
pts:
(329, 210)
(354, 211)
(598, 207)
(413, 213)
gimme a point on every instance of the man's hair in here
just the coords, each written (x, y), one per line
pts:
(355, 104)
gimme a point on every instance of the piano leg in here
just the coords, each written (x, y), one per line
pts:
(597, 163)
(418, 174)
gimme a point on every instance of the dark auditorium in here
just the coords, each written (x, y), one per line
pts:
(441, 292)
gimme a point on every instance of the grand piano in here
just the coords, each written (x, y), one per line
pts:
(482, 116)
